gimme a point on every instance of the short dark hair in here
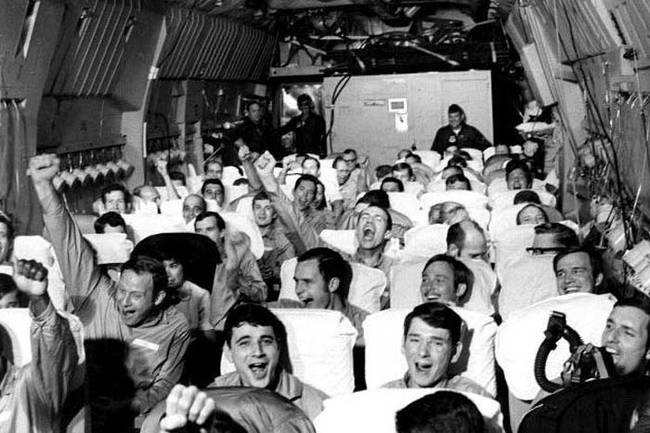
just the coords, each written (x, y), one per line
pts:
(440, 412)
(8, 286)
(595, 259)
(635, 299)
(304, 98)
(526, 196)
(337, 160)
(565, 236)
(306, 178)
(456, 234)
(177, 175)
(112, 219)
(221, 224)
(331, 265)
(375, 197)
(241, 181)
(531, 205)
(462, 274)
(390, 179)
(457, 161)
(455, 108)
(115, 187)
(454, 167)
(254, 315)
(437, 315)
(514, 165)
(403, 166)
(454, 178)
(415, 156)
(148, 265)
(383, 170)
(350, 150)
(262, 195)
(213, 181)
(253, 102)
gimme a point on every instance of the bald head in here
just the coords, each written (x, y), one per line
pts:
(466, 240)
(148, 194)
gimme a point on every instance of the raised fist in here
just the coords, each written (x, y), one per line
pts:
(244, 153)
(31, 277)
(161, 166)
(185, 406)
(43, 168)
(265, 163)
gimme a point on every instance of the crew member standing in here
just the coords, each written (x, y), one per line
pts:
(458, 133)
(309, 129)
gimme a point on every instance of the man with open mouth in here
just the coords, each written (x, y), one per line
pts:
(256, 341)
(445, 279)
(432, 342)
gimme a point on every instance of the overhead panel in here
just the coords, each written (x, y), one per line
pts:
(203, 47)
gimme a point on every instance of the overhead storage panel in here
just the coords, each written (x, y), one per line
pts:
(212, 48)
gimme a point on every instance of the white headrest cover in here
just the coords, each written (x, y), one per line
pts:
(465, 198)
(110, 247)
(426, 241)
(248, 227)
(147, 225)
(320, 347)
(365, 289)
(342, 240)
(33, 248)
(374, 410)
(385, 361)
(520, 336)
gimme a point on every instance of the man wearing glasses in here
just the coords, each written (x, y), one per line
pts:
(308, 127)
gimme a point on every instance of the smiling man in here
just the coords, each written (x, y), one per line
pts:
(323, 280)
(578, 270)
(256, 341)
(135, 344)
(445, 279)
(627, 335)
(432, 342)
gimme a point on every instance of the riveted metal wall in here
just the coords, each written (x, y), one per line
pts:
(212, 48)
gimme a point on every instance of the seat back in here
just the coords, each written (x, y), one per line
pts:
(320, 346)
(466, 198)
(383, 332)
(425, 241)
(143, 226)
(365, 289)
(342, 240)
(519, 337)
(374, 410)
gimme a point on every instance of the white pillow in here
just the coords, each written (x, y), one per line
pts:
(172, 208)
(248, 227)
(33, 248)
(430, 158)
(245, 208)
(520, 336)
(485, 284)
(425, 241)
(525, 280)
(405, 280)
(110, 247)
(143, 226)
(342, 240)
(231, 174)
(385, 361)
(466, 198)
(374, 410)
(320, 347)
(365, 289)
(405, 203)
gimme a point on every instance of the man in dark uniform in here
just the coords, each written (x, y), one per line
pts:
(255, 132)
(308, 127)
(458, 133)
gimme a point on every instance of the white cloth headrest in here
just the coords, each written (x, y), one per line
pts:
(248, 227)
(374, 410)
(320, 348)
(383, 332)
(110, 247)
(425, 241)
(466, 198)
(143, 226)
(505, 199)
(366, 286)
(33, 248)
(520, 336)
(342, 240)
(430, 158)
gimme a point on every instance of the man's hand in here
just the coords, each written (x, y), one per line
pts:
(363, 162)
(265, 164)
(43, 168)
(236, 243)
(161, 167)
(187, 405)
(31, 277)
